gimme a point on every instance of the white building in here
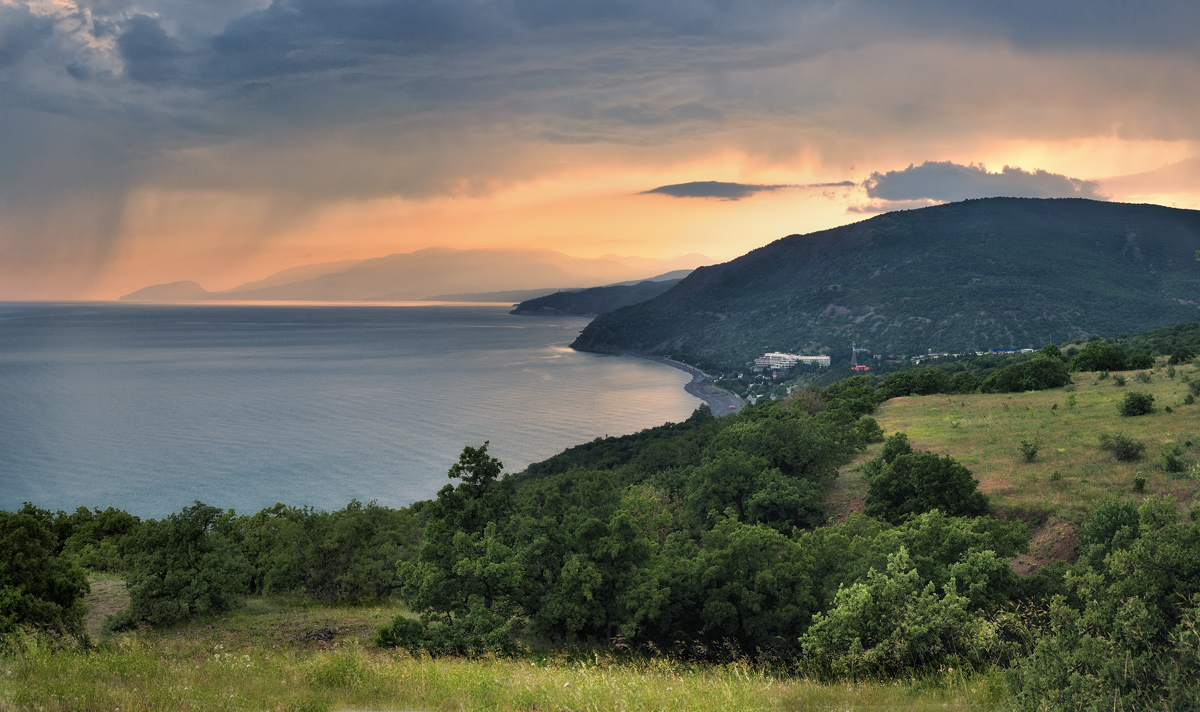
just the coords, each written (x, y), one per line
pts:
(779, 361)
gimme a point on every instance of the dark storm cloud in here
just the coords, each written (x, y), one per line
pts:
(20, 32)
(713, 189)
(323, 100)
(948, 181)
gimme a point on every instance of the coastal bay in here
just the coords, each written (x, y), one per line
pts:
(149, 407)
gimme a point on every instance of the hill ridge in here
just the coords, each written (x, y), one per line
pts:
(972, 275)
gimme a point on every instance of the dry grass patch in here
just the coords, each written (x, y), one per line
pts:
(1070, 472)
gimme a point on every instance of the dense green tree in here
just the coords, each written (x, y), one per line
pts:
(1100, 355)
(1128, 637)
(1181, 355)
(889, 623)
(95, 537)
(757, 587)
(964, 382)
(854, 394)
(39, 587)
(903, 483)
(916, 382)
(344, 555)
(466, 576)
(180, 567)
(1037, 374)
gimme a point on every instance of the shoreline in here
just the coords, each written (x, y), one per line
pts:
(719, 401)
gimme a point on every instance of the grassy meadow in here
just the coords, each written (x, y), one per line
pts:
(287, 655)
(1070, 473)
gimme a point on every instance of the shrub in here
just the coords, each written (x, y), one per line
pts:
(964, 382)
(1170, 371)
(1194, 387)
(1122, 447)
(179, 567)
(1142, 360)
(1127, 634)
(1100, 355)
(1037, 374)
(890, 623)
(1029, 449)
(1143, 377)
(1119, 380)
(902, 483)
(1171, 459)
(1189, 399)
(38, 586)
(1071, 400)
(1181, 355)
(1139, 484)
(1136, 403)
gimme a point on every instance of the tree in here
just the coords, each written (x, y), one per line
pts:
(1100, 355)
(466, 579)
(1037, 374)
(903, 483)
(890, 622)
(38, 586)
(180, 567)
(1181, 355)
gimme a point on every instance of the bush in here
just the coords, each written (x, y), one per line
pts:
(1141, 361)
(1194, 387)
(1171, 459)
(1136, 403)
(1143, 377)
(179, 567)
(1029, 449)
(1119, 380)
(1037, 374)
(1122, 447)
(1127, 634)
(903, 483)
(38, 586)
(1181, 355)
(479, 631)
(1100, 356)
(890, 623)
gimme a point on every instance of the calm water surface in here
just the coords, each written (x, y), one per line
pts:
(148, 408)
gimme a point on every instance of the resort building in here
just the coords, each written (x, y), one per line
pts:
(780, 361)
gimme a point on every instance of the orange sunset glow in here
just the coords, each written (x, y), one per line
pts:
(150, 142)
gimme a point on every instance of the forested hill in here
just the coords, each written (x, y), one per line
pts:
(596, 300)
(974, 275)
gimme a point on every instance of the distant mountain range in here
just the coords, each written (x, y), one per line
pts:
(467, 275)
(974, 275)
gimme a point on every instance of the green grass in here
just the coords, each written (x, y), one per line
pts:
(985, 432)
(262, 658)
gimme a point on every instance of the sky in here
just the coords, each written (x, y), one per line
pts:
(148, 141)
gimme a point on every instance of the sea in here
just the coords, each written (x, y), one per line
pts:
(149, 408)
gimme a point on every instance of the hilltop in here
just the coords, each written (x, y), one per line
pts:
(967, 276)
(596, 300)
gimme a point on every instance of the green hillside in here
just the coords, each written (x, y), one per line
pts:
(596, 300)
(975, 275)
